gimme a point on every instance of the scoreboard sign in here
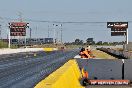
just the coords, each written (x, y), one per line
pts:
(117, 25)
(118, 33)
(18, 28)
(118, 28)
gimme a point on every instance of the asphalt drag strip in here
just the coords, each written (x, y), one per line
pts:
(26, 73)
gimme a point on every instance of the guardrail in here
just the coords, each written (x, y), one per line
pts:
(67, 76)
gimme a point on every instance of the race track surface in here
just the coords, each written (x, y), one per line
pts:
(24, 70)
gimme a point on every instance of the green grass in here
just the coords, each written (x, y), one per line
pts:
(5, 45)
(100, 54)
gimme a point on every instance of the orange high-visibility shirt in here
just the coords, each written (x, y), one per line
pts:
(84, 73)
(82, 54)
(86, 53)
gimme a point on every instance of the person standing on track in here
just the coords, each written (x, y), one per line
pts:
(84, 53)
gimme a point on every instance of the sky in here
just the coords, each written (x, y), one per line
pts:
(68, 11)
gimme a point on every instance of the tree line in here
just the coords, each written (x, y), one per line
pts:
(87, 42)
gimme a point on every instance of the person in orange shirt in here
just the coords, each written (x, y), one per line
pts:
(84, 53)
(84, 73)
(90, 53)
(85, 81)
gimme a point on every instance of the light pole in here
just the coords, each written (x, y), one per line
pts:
(61, 33)
(54, 33)
(30, 35)
(48, 31)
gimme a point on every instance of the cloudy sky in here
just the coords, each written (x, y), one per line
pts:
(42, 14)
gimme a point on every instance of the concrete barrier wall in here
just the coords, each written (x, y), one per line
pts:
(50, 49)
(117, 46)
(11, 51)
(102, 68)
(128, 69)
(66, 76)
(107, 69)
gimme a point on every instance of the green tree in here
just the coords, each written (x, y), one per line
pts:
(99, 43)
(78, 41)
